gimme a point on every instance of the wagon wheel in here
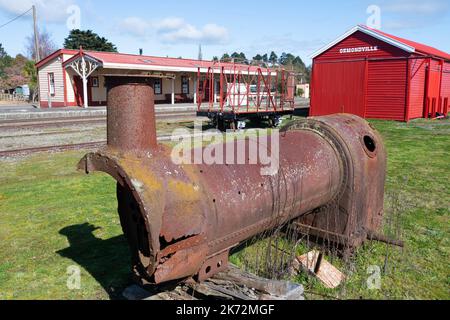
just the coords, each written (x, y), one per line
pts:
(272, 122)
(233, 125)
(215, 122)
(221, 124)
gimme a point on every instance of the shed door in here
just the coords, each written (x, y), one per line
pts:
(78, 90)
(338, 87)
(434, 102)
(386, 89)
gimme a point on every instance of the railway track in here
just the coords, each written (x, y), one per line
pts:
(66, 147)
(86, 145)
(44, 123)
(61, 122)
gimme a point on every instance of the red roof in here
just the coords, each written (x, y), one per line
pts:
(120, 58)
(419, 47)
(55, 54)
(138, 60)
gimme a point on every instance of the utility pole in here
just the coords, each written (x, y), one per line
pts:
(36, 36)
(37, 55)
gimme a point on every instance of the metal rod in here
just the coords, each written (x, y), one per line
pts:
(384, 239)
(318, 263)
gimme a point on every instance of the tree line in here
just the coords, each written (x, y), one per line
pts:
(286, 60)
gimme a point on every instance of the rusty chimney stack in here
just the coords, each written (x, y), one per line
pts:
(131, 125)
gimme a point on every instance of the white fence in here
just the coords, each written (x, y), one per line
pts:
(13, 97)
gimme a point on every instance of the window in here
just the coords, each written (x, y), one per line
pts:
(51, 84)
(158, 86)
(184, 85)
(95, 82)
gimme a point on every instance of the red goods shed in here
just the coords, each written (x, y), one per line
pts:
(377, 75)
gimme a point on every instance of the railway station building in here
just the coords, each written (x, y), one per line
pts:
(64, 82)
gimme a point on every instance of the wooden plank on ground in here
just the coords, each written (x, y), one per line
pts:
(329, 275)
(232, 284)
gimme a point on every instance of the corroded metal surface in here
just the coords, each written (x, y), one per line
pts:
(130, 114)
(182, 220)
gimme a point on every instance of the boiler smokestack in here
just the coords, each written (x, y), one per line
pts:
(131, 125)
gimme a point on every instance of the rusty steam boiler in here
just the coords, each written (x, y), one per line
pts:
(182, 220)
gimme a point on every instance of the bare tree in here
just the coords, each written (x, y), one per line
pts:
(46, 45)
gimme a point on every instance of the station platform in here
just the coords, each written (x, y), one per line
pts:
(25, 112)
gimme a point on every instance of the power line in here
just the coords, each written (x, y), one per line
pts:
(12, 20)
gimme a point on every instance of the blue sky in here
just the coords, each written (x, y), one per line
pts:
(175, 27)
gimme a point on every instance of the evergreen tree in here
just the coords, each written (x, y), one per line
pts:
(226, 57)
(258, 57)
(273, 58)
(88, 40)
(5, 61)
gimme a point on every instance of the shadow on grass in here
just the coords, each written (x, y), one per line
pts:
(108, 261)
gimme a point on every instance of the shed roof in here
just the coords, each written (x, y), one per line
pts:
(404, 44)
(419, 47)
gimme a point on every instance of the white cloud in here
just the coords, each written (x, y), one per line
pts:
(213, 32)
(416, 6)
(170, 23)
(135, 26)
(210, 33)
(174, 30)
(412, 14)
(401, 24)
(47, 10)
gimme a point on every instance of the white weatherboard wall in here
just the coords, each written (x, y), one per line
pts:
(98, 94)
(69, 81)
(306, 90)
(55, 67)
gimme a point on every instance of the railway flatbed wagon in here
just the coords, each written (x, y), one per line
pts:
(231, 96)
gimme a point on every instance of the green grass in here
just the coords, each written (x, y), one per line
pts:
(53, 217)
(48, 211)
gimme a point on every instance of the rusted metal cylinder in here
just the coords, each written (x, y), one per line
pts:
(131, 122)
(181, 220)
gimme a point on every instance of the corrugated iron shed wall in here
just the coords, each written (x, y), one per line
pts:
(379, 93)
(357, 40)
(417, 87)
(433, 87)
(446, 87)
(335, 80)
(396, 84)
(386, 89)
